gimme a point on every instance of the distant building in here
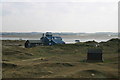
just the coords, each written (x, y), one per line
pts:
(46, 39)
(94, 55)
(32, 43)
(77, 41)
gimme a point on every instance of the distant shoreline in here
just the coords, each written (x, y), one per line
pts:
(63, 39)
(67, 37)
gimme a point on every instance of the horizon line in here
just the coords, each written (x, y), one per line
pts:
(55, 32)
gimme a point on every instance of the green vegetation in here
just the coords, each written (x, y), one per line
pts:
(59, 61)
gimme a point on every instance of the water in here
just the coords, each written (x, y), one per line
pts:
(67, 40)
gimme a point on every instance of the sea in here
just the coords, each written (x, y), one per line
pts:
(65, 39)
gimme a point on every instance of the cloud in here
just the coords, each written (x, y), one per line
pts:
(59, 0)
(60, 16)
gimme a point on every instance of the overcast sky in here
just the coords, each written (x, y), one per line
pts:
(59, 16)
